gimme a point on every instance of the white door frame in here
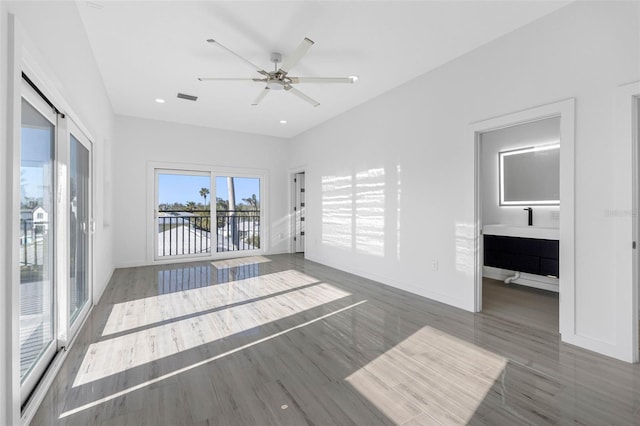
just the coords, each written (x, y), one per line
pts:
(626, 217)
(565, 110)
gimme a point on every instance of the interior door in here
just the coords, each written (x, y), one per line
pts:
(299, 210)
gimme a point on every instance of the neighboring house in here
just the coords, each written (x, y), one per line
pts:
(40, 221)
(33, 222)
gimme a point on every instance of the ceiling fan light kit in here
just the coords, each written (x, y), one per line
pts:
(279, 78)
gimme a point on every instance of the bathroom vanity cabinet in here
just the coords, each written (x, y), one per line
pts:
(532, 255)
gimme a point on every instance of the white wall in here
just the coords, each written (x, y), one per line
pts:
(55, 42)
(141, 141)
(536, 133)
(417, 134)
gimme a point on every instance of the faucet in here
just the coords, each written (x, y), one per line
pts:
(530, 218)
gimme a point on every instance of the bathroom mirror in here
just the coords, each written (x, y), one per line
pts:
(530, 176)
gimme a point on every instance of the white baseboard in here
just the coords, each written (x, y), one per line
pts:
(438, 297)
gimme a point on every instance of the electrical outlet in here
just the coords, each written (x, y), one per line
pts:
(434, 265)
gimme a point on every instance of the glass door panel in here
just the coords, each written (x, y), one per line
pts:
(79, 227)
(238, 213)
(183, 213)
(37, 292)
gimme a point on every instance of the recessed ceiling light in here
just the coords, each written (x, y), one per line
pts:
(283, 121)
(353, 78)
(160, 101)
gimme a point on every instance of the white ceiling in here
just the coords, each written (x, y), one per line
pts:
(147, 50)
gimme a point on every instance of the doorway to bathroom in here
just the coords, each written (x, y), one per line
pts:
(524, 245)
(520, 168)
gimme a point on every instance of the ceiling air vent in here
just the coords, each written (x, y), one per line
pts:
(187, 97)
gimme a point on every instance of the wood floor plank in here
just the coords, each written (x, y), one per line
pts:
(278, 340)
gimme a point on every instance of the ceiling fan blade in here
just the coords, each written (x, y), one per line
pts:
(261, 96)
(297, 54)
(257, 68)
(296, 80)
(302, 95)
(230, 79)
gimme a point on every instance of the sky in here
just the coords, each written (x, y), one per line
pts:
(183, 188)
(36, 149)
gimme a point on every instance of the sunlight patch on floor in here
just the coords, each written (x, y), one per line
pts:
(119, 354)
(151, 310)
(242, 261)
(432, 373)
(203, 362)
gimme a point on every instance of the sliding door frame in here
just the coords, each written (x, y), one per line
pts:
(214, 171)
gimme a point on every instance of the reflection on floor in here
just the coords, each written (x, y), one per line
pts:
(526, 305)
(293, 342)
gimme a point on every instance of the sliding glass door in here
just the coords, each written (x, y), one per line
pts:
(182, 214)
(80, 224)
(204, 213)
(238, 213)
(37, 238)
(55, 223)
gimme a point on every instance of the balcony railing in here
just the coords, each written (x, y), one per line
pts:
(189, 232)
(34, 239)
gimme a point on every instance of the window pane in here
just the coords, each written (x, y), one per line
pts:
(183, 214)
(237, 213)
(78, 227)
(36, 236)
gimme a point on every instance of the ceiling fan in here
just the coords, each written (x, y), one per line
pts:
(279, 79)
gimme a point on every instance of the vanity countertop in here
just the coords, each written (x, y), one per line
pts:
(522, 231)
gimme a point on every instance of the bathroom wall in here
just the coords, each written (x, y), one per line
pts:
(536, 133)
